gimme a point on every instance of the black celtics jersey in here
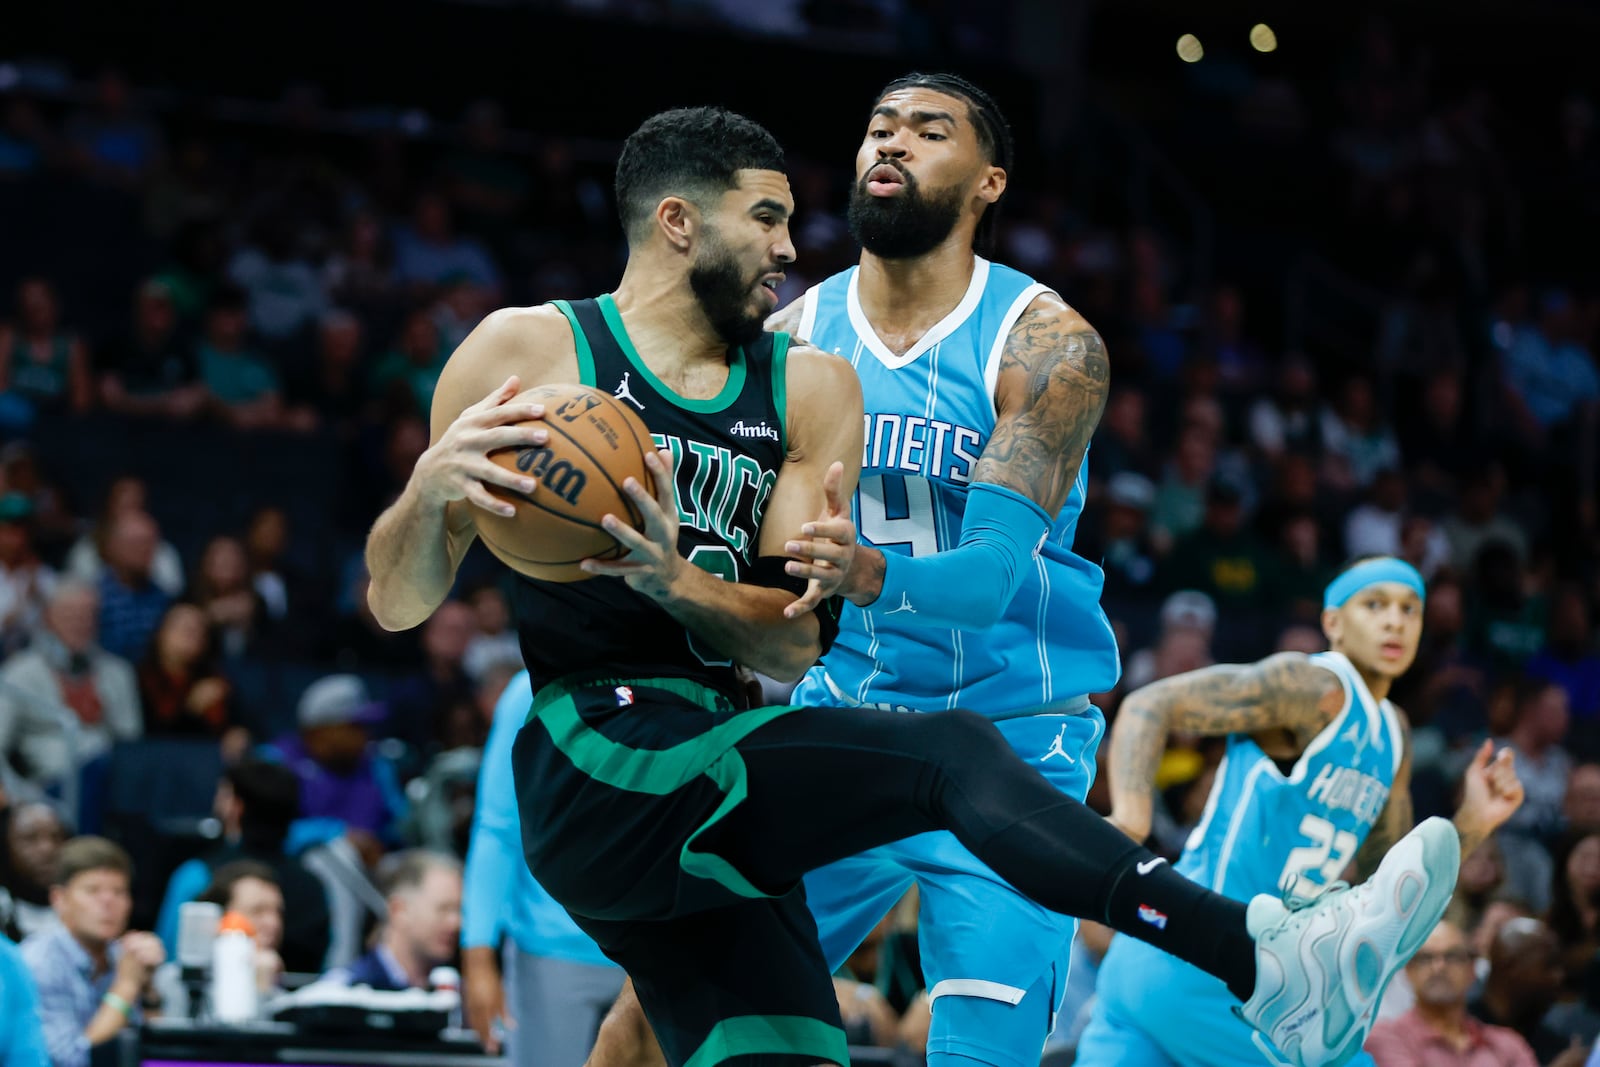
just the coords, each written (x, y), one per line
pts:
(726, 454)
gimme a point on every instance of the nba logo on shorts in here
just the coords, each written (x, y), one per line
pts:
(624, 696)
(1155, 918)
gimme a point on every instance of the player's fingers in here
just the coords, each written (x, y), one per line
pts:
(494, 438)
(831, 483)
(660, 465)
(614, 568)
(653, 510)
(807, 602)
(491, 473)
(1480, 759)
(481, 497)
(502, 414)
(818, 549)
(631, 539)
(499, 395)
(839, 530)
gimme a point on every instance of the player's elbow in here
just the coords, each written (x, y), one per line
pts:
(393, 613)
(799, 654)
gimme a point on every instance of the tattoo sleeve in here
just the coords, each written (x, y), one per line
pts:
(1283, 692)
(1054, 375)
(1396, 819)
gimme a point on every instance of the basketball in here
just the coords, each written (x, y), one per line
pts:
(596, 443)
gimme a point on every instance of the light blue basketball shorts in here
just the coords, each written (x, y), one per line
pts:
(995, 962)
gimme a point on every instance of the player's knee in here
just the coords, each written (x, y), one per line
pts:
(963, 737)
(625, 1038)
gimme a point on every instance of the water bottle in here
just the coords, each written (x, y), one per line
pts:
(233, 971)
(448, 980)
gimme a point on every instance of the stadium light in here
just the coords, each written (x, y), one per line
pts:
(1262, 39)
(1189, 49)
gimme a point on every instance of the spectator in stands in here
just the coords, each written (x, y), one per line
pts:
(1575, 902)
(1540, 727)
(1438, 1031)
(86, 558)
(1568, 657)
(151, 371)
(26, 582)
(494, 640)
(360, 273)
(1299, 573)
(111, 141)
(257, 802)
(423, 892)
(1582, 805)
(1549, 375)
(266, 545)
(1188, 620)
(1478, 521)
(31, 837)
(332, 391)
(1506, 619)
(182, 690)
(418, 702)
(428, 252)
(1124, 548)
(1122, 443)
(1440, 447)
(1180, 497)
(406, 376)
(249, 889)
(286, 292)
(1287, 421)
(93, 973)
(1357, 444)
(40, 361)
(1221, 558)
(1241, 365)
(21, 1039)
(245, 387)
(1373, 527)
(65, 679)
(1482, 875)
(235, 611)
(27, 143)
(341, 777)
(131, 603)
(1524, 980)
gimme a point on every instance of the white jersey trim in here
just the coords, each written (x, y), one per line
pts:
(977, 987)
(938, 332)
(808, 313)
(991, 369)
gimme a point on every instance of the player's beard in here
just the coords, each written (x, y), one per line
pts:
(724, 292)
(911, 223)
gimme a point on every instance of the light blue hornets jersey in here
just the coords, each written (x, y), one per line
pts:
(929, 414)
(1264, 831)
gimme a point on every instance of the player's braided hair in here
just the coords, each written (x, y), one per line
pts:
(994, 132)
(692, 152)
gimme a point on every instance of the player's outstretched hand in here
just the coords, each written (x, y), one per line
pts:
(1491, 791)
(826, 549)
(457, 465)
(652, 563)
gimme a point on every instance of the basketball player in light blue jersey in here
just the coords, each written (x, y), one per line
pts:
(1316, 777)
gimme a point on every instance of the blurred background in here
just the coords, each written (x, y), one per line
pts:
(1342, 256)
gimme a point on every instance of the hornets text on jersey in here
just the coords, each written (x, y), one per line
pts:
(929, 414)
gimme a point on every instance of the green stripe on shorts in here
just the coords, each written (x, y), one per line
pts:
(658, 772)
(757, 1035)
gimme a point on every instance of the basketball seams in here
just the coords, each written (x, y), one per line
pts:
(627, 419)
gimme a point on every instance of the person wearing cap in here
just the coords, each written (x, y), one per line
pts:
(257, 802)
(151, 371)
(1316, 777)
(1221, 557)
(1125, 551)
(341, 778)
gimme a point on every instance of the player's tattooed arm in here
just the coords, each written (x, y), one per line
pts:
(1284, 701)
(1397, 817)
(1049, 395)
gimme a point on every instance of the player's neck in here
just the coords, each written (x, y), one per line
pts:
(664, 320)
(1377, 684)
(904, 295)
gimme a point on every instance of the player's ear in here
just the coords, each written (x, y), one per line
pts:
(992, 184)
(678, 220)
(1332, 624)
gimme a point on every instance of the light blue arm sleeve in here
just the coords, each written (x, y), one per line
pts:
(495, 848)
(21, 1039)
(186, 883)
(970, 586)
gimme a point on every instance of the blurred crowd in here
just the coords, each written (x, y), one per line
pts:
(282, 284)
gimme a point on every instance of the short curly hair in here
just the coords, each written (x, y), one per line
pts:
(691, 152)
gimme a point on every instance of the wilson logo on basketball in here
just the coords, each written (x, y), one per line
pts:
(572, 410)
(559, 477)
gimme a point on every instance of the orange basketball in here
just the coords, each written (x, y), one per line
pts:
(596, 443)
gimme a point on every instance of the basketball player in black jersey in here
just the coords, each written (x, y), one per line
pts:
(671, 820)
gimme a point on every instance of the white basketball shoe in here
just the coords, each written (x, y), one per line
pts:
(1322, 968)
